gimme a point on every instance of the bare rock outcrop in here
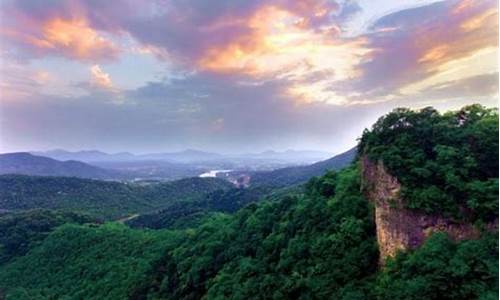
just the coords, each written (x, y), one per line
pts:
(399, 228)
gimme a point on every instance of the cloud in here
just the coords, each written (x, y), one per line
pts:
(200, 110)
(60, 32)
(469, 87)
(415, 44)
(269, 39)
(245, 74)
(19, 81)
(100, 78)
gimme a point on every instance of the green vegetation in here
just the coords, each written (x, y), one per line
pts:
(184, 214)
(441, 269)
(301, 174)
(85, 262)
(22, 231)
(311, 242)
(317, 245)
(447, 163)
(102, 199)
(313, 246)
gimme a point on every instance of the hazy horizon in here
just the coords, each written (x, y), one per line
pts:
(233, 77)
(176, 151)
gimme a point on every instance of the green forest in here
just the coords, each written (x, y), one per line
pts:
(447, 163)
(104, 200)
(309, 241)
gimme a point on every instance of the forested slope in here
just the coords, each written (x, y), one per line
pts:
(300, 174)
(316, 246)
(319, 243)
(446, 163)
(103, 199)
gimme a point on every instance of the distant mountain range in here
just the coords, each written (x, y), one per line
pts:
(29, 164)
(186, 156)
(294, 175)
(85, 155)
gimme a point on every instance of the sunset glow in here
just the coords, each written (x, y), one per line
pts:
(197, 63)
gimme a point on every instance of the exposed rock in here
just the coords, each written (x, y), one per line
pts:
(399, 228)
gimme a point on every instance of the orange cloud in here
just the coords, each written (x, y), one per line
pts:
(474, 30)
(73, 38)
(76, 39)
(465, 46)
(281, 43)
(277, 38)
(487, 18)
(435, 54)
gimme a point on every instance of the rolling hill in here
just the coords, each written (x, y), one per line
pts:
(29, 164)
(409, 189)
(300, 174)
(102, 199)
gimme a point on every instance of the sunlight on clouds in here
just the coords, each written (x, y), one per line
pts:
(463, 6)
(304, 47)
(100, 78)
(281, 45)
(318, 91)
(76, 37)
(483, 61)
(73, 38)
(487, 18)
(435, 54)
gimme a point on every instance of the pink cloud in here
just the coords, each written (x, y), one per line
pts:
(56, 32)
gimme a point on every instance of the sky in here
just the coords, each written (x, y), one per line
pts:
(234, 76)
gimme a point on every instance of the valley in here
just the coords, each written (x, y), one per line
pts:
(249, 150)
(398, 217)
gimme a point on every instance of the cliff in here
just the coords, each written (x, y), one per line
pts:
(399, 228)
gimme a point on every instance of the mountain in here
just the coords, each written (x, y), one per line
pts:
(321, 245)
(288, 156)
(29, 164)
(102, 199)
(415, 216)
(185, 214)
(21, 231)
(186, 156)
(85, 156)
(294, 175)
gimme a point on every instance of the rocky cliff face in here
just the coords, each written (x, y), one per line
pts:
(399, 228)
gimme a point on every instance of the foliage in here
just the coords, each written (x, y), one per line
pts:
(447, 163)
(85, 262)
(317, 245)
(187, 213)
(311, 242)
(102, 199)
(441, 269)
(21, 231)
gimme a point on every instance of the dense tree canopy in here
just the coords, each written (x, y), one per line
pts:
(102, 199)
(447, 163)
(85, 262)
(441, 269)
(312, 242)
(21, 231)
(316, 245)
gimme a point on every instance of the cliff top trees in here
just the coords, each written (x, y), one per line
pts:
(447, 163)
